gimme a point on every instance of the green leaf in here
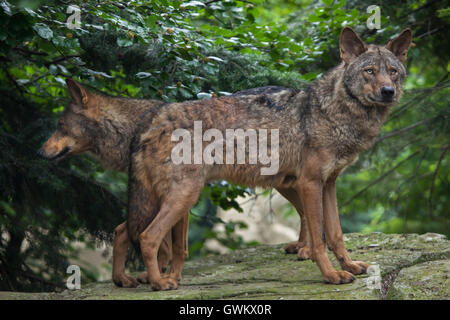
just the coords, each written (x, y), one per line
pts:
(6, 7)
(185, 93)
(53, 69)
(124, 42)
(328, 3)
(43, 31)
(204, 95)
(7, 208)
(143, 75)
(310, 76)
(192, 4)
(313, 18)
(215, 59)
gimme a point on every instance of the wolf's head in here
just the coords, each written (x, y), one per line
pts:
(374, 74)
(77, 126)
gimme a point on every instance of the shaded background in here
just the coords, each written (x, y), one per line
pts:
(175, 51)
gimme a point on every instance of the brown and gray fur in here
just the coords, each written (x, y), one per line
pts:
(321, 131)
(104, 126)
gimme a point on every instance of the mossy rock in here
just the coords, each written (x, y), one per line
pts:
(411, 267)
(424, 281)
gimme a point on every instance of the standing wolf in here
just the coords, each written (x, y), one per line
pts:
(321, 131)
(105, 126)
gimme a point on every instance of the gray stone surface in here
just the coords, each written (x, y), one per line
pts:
(411, 267)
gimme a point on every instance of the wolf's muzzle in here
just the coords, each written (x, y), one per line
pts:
(42, 154)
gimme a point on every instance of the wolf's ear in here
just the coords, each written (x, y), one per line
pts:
(400, 45)
(78, 93)
(351, 46)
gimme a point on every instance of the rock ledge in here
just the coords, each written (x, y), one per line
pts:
(410, 267)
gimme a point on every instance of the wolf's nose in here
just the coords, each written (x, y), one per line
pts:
(40, 153)
(387, 92)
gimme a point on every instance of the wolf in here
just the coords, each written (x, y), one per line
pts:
(321, 131)
(107, 134)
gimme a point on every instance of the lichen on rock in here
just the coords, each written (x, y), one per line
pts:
(410, 266)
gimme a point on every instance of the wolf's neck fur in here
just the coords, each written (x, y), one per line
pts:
(117, 125)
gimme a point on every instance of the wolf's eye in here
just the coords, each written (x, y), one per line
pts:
(393, 72)
(369, 71)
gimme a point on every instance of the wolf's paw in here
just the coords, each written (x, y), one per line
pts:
(304, 253)
(172, 275)
(165, 284)
(125, 281)
(163, 269)
(356, 267)
(293, 247)
(339, 277)
(143, 278)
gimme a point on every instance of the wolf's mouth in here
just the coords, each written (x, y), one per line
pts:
(372, 99)
(376, 101)
(60, 155)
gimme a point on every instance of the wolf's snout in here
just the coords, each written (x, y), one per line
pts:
(41, 154)
(54, 155)
(387, 92)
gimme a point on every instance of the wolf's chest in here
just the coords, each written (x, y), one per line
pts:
(334, 167)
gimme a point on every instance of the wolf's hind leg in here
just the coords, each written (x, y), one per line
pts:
(120, 248)
(165, 253)
(334, 234)
(173, 209)
(180, 247)
(302, 247)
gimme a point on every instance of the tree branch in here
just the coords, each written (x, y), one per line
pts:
(30, 52)
(403, 130)
(384, 175)
(411, 184)
(212, 1)
(430, 203)
(60, 59)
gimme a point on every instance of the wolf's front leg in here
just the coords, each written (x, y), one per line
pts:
(164, 258)
(310, 191)
(333, 231)
(120, 248)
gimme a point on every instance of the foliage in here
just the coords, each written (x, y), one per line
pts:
(179, 50)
